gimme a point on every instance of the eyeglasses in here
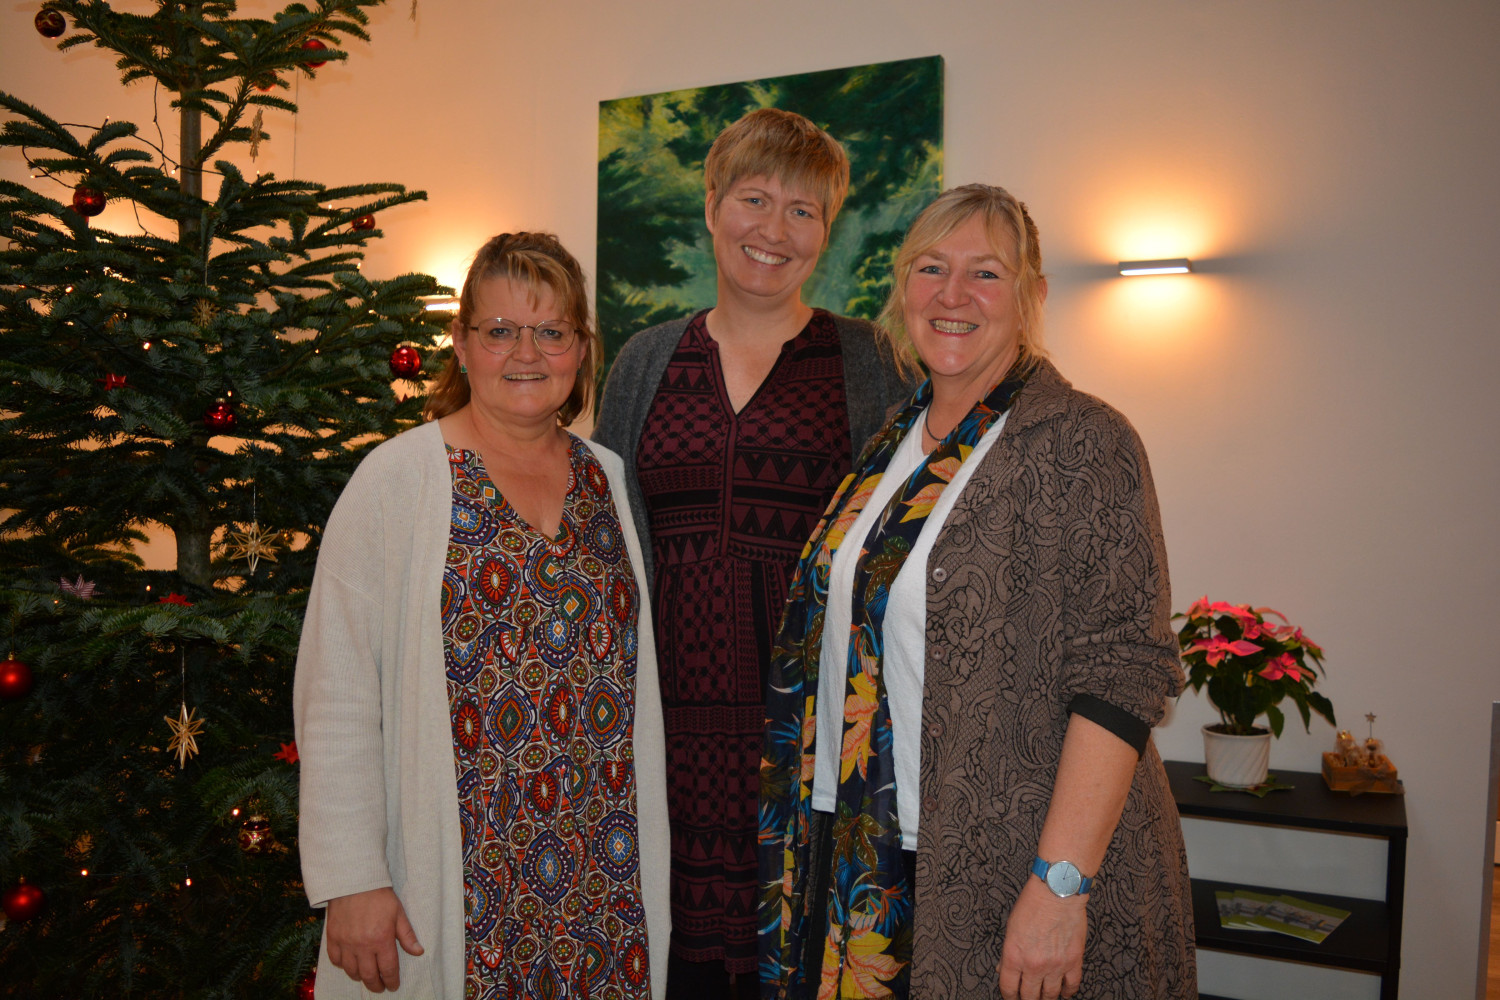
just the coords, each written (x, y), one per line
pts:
(501, 336)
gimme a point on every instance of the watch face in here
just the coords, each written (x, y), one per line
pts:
(1064, 879)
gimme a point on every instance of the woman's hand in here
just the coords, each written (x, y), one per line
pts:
(1042, 958)
(363, 930)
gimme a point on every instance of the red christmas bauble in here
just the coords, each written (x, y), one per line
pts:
(50, 23)
(16, 680)
(306, 984)
(256, 836)
(220, 416)
(264, 83)
(364, 223)
(87, 201)
(405, 361)
(313, 45)
(22, 902)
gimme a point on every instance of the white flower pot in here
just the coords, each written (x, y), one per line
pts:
(1237, 761)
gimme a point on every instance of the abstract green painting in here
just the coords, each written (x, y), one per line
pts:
(655, 256)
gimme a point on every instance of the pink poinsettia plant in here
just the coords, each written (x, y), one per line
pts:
(1250, 664)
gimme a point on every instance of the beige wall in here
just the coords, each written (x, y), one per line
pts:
(1320, 405)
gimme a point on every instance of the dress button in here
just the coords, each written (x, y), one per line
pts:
(940, 574)
(929, 804)
(936, 729)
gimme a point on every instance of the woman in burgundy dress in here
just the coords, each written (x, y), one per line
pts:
(736, 425)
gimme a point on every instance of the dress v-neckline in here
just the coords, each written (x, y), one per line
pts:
(506, 510)
(717, 361)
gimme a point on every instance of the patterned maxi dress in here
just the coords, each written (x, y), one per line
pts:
(540, 648)
(732, 498)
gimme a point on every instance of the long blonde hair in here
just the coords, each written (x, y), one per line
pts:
(1014, 239)
(536, 260)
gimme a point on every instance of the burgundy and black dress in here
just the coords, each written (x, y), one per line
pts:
(732, 498)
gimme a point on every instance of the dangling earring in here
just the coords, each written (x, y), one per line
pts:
(463, 369)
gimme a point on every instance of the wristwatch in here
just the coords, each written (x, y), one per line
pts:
(1062, 877)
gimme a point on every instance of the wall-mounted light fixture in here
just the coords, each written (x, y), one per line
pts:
(1173, 265)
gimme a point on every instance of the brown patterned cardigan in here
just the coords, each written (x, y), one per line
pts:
(1048, 581)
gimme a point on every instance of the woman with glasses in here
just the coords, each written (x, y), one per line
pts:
(736, 424)
(483, 777)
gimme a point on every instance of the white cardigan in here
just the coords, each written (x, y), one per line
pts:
(379, 799)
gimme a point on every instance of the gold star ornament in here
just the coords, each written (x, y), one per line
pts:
(252, 545)
(186, 729)
(204, 312)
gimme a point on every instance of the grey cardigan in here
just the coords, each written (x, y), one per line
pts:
(872, 385)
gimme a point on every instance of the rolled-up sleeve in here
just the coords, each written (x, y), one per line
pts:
(1119, 648)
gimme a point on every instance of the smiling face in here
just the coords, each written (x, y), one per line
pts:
(525, 385)
(960, 311)
(767, 238)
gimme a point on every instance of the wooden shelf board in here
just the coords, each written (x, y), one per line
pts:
(1359, 943)
(1309, 805)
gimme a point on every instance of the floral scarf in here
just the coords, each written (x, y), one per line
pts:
(867, 942)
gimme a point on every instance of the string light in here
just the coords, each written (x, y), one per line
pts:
(84, 873)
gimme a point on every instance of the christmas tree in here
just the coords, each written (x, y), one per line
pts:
(217, 372)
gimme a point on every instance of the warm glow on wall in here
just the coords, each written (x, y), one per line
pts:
(1159, 227)
(447, 252)
(450, 266)
(1164, 234)
(1166, 313)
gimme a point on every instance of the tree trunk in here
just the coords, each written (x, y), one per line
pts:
(193, 554)
(193, 540)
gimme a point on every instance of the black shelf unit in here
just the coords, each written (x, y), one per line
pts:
(1370, 939)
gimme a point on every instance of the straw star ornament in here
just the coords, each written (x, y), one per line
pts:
(80, 588)
(186, 729)
(204, 312)
(252, 545)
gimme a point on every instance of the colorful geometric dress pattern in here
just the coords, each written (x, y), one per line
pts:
(731, 499)
(540, 643)
(867, 939)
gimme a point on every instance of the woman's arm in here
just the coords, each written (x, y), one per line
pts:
(339, 720)
(1119, 667)
(1043, 951)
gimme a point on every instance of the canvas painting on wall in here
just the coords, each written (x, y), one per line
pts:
(655, 256)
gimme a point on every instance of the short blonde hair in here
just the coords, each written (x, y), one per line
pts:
(536, 260)
(1014, 239)
(783, 145)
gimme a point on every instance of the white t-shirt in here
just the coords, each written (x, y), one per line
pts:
(905, 633)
